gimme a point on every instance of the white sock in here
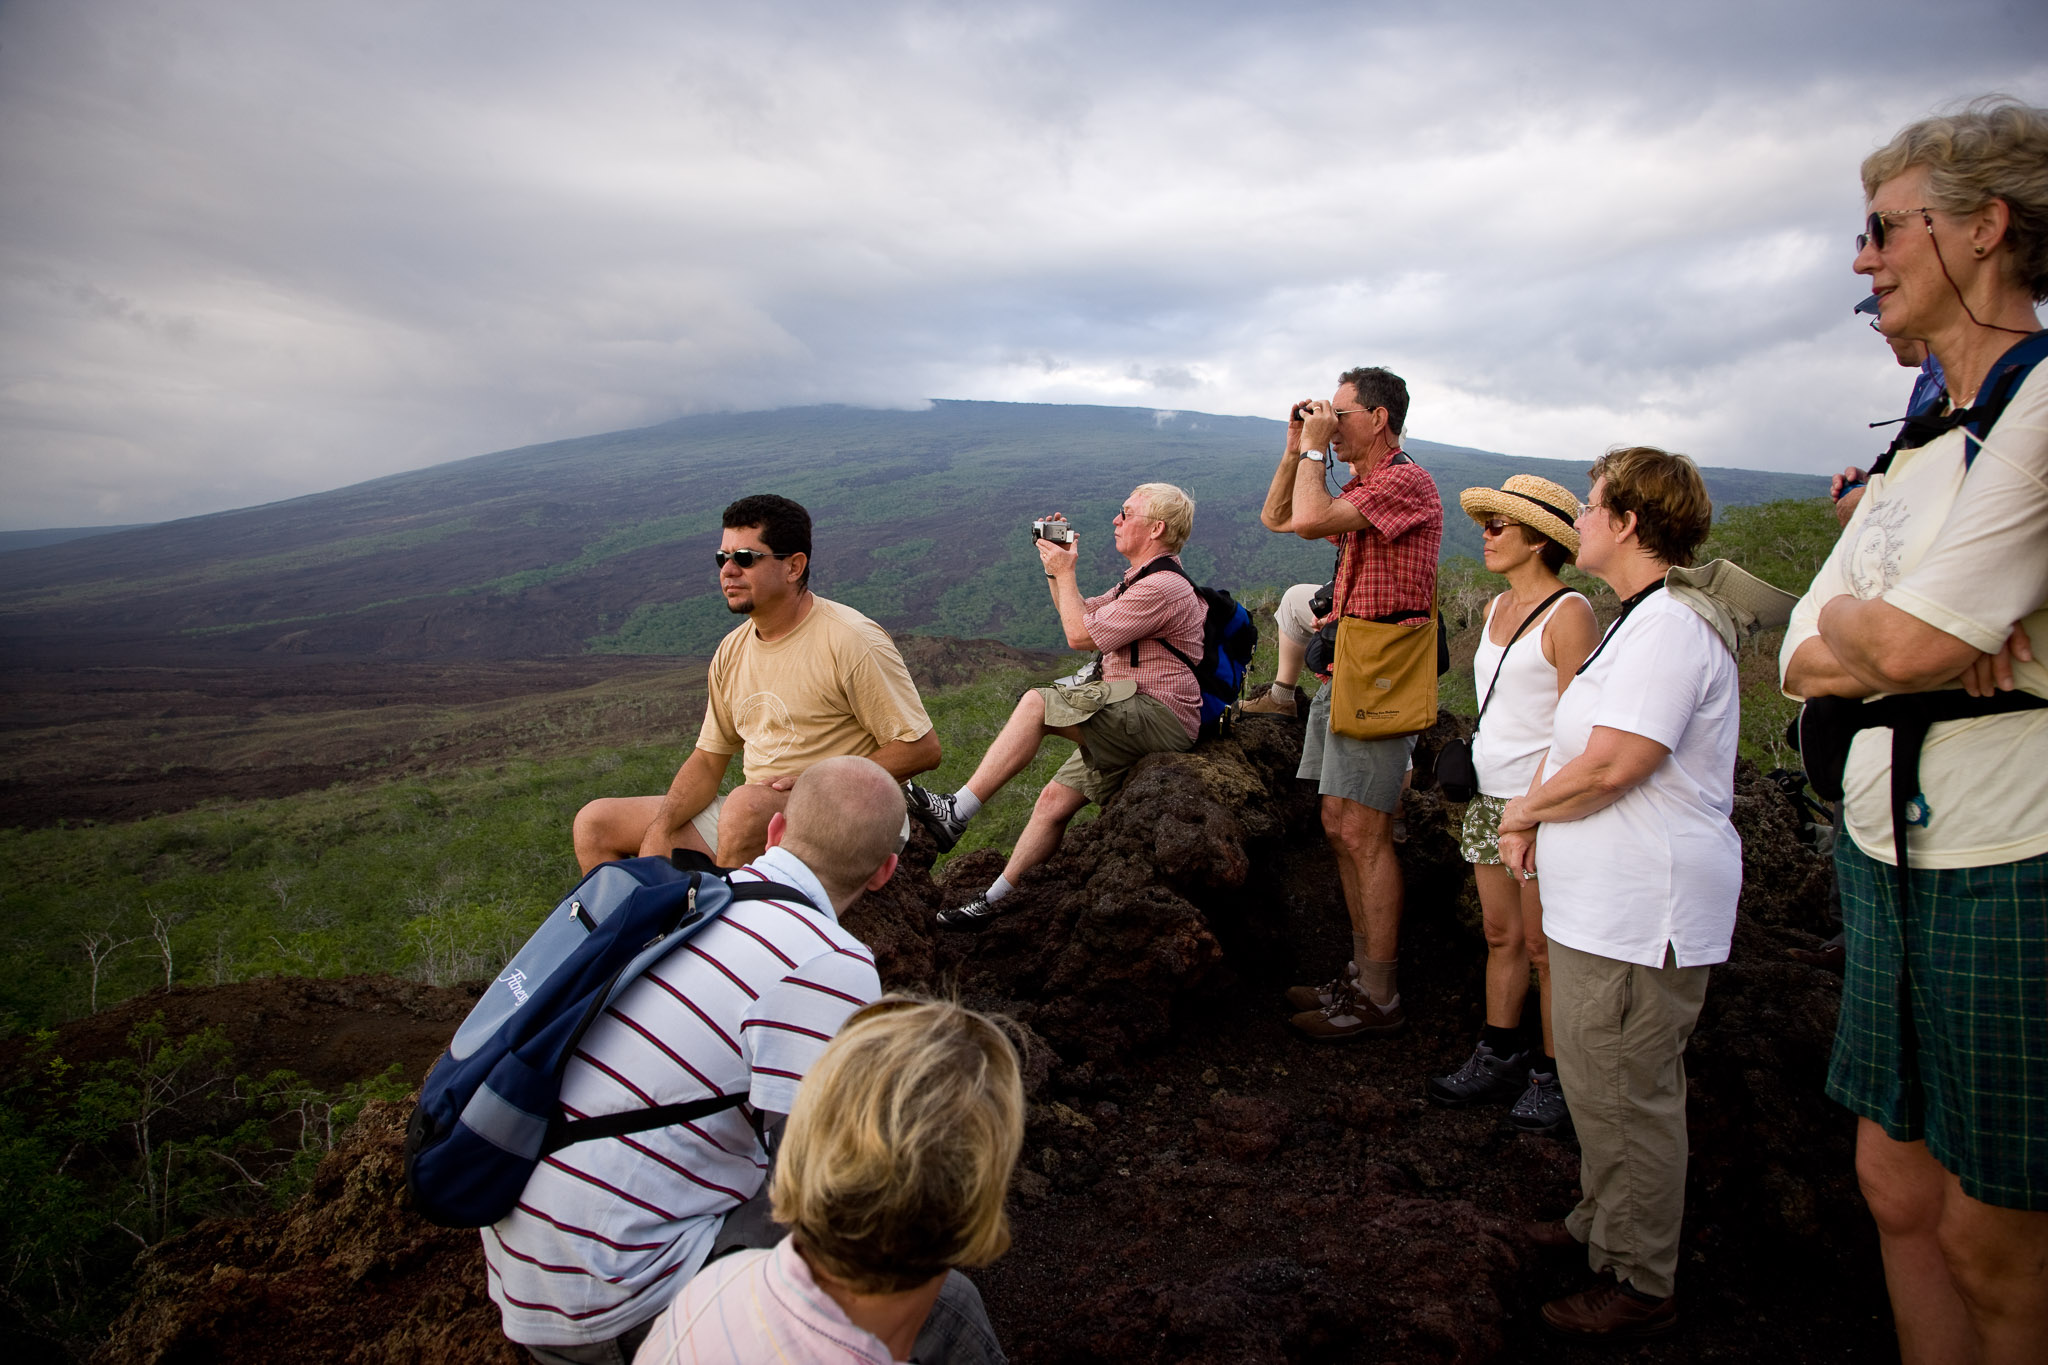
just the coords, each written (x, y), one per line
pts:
(1284, 691)
(998, 889)
(965, 804)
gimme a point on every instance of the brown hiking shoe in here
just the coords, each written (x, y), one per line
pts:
(1266, 704)
(1610, 1312)
(1350, 1015)
(1552, 1235)
(1301, 998)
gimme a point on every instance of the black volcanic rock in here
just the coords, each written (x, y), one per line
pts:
(1197, 1184)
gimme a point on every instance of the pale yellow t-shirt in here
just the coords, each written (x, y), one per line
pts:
(835, 685)
(1969, 556)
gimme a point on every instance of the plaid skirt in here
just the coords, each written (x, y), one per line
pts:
(1957, 1054)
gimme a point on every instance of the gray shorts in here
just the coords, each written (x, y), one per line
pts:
(1367, 771)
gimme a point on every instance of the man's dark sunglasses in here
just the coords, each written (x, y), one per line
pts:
(1874, 230)
(747, 559)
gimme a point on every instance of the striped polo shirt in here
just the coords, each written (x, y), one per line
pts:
(608, 1230)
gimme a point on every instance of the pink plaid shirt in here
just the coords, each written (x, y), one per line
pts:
(1390, 566)
(1163, 607)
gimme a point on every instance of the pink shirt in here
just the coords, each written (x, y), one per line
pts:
(1162, 605)
(755, 1306)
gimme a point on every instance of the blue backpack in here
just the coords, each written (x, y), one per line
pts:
(1228, 638)
(490, 1108)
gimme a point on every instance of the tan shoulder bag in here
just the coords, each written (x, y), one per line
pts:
(1384, 678)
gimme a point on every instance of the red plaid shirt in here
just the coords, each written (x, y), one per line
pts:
(1162, 607)
(1390, 566)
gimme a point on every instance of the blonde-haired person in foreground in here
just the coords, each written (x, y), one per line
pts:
(892, 1174)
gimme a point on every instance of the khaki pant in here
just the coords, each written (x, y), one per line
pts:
(1621, 1031)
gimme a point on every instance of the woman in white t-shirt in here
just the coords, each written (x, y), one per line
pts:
(1941, 1050)
(1641, 868)
(1537, 634)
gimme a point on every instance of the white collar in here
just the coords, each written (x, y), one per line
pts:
(778, 864)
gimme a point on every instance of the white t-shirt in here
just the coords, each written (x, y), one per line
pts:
(1662, 865)
(607, 1230)
(1968, 555)
(1515, 730)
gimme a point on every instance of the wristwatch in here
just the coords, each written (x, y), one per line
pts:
(1316, 455)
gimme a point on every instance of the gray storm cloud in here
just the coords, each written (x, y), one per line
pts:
(248, 252)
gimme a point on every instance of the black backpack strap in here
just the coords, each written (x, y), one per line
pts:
(562, 1135)
(1910, 717)
(1158, 564)
(2007, 373)
(769, 891)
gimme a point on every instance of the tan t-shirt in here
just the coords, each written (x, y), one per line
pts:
(835, 685)
(1969, 556)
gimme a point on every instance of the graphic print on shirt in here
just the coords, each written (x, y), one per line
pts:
(1876, 559)
(764, 722)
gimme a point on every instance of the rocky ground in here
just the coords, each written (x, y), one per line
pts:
(1198, 1184)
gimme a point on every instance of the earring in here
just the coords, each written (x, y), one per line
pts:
(1980, 251)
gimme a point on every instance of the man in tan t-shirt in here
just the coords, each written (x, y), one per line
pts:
(803, 680)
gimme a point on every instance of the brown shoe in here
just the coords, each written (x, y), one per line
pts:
(1550, 1236)
(1300, 998)
(1266, 704)
(1351, 1015)
(1610, 1312)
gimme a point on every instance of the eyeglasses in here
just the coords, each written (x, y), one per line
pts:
(1873, 234)
(747, 559)
(1126, 514)
(1498, 526)
(1588, 508)
(1346, 412)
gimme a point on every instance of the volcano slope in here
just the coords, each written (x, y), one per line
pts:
(1198, 1185)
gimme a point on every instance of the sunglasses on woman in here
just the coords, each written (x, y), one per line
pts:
(1873, 234)
(747, 559)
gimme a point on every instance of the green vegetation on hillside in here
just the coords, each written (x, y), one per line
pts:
(99, 1161)
(443, 876)
(604, 544)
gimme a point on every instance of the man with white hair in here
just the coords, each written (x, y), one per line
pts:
(1149, 631)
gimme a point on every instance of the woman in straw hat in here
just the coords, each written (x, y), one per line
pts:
(1537, 634)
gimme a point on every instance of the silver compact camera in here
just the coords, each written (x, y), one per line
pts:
(1058, 532)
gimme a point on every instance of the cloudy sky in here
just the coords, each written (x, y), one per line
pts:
(252, 250)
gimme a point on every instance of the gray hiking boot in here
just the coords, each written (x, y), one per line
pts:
(1484, 1079)
(1542, 1108)
(935, 813)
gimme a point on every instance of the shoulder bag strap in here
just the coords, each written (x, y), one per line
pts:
(1527, 621)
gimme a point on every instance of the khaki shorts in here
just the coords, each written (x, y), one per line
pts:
(705, 822)
(1114, 734)
(1294, 616)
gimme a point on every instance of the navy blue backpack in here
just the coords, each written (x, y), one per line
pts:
(1228, 638)
(490, 1108)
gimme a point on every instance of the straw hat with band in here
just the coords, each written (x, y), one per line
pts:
(1538, 504)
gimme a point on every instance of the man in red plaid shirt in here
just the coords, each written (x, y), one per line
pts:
(1145, 702)
(1389, 524)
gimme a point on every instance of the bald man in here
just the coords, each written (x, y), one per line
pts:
(607, 1230)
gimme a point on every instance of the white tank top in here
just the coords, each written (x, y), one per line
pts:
(1515, 731)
